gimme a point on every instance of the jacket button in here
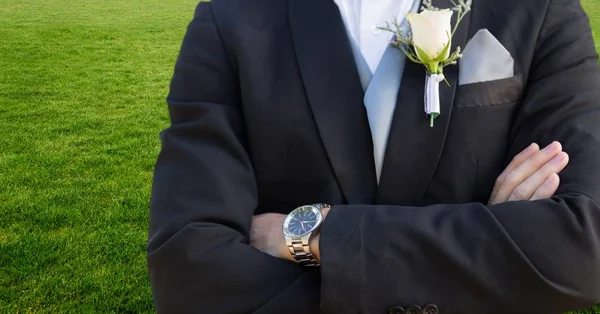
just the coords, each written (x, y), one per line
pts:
(396, 310)
(414, 309)
(431, 309)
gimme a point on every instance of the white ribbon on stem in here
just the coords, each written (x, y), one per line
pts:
(432, 96)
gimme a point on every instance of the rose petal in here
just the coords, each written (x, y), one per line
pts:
(431, 31)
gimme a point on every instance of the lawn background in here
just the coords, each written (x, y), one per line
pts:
(82, 89)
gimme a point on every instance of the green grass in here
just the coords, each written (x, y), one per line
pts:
(82, 88)
(593, 9)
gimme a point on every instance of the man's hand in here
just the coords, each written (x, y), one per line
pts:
(531, 175)
(266, 234)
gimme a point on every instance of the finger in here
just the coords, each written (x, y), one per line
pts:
(548, 188)
(515, 162)
(526, 169)
(520, 158)
(526, 189)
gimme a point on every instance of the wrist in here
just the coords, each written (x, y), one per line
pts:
(282, 249)
(315, 239)
(314, 246)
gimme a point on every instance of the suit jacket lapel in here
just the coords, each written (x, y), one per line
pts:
(335, 94)
(414, 148)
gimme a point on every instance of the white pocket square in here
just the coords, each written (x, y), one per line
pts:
(485, 59)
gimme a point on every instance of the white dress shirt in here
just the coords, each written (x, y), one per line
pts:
(362, 19)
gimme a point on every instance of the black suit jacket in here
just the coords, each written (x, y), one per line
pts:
(267, 115)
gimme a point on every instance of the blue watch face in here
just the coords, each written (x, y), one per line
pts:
(304, 221)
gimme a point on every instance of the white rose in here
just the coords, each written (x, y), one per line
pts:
(431, 32)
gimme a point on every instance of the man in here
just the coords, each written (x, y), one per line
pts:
(270, 111)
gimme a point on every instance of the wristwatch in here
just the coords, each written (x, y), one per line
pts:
(298, 226)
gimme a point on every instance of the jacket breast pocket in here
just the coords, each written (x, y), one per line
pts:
(491, 93)
(477, 140)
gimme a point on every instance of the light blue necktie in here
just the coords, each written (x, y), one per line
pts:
(380, 101)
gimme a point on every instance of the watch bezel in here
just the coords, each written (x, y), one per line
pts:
(293, 213)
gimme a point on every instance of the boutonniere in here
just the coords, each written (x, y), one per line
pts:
(428, 42)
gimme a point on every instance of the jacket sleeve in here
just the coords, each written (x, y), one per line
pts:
(517, 257)
(204, 195)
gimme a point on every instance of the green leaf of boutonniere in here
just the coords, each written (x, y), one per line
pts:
(423, 56)
(442, 57)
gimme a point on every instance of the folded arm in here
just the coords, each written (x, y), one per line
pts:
(204, 196)
(518, 257)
